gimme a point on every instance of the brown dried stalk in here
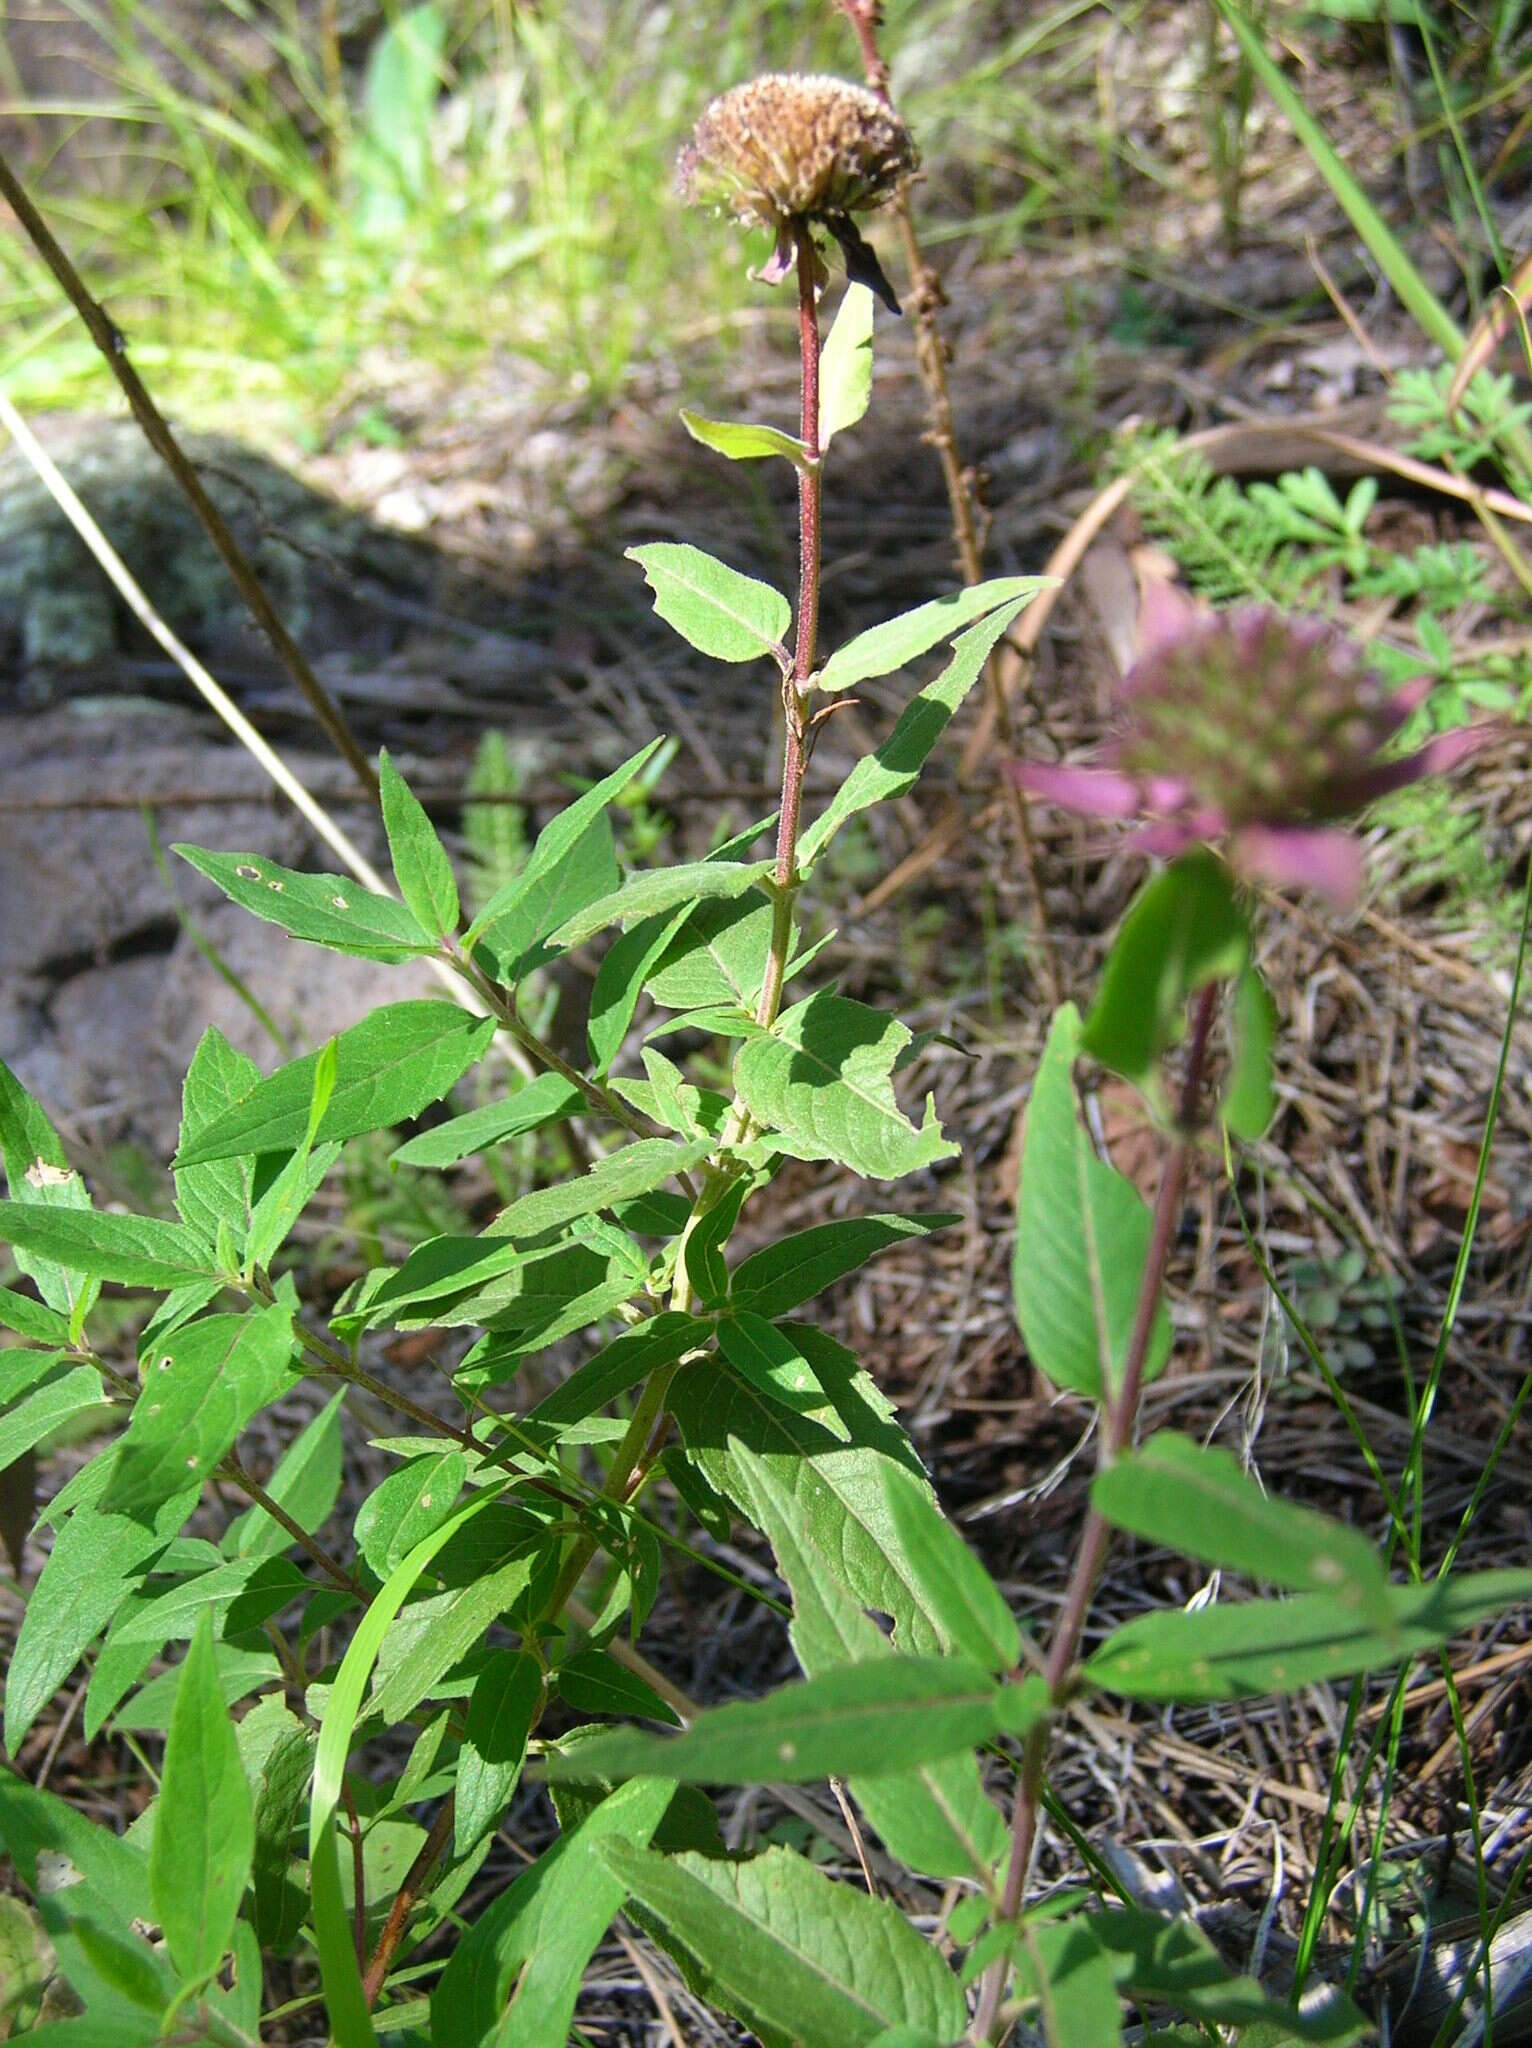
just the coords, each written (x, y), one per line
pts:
(932, 355)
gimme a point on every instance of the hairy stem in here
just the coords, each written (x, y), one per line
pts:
(794, 687)
(1118, 1416)
(641, 1439)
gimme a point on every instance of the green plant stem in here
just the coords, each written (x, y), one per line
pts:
(503, 1009)
(1118, 1415)
(641, 1440)
(625, 1463)
(231, 1469)
(113, 347)
(336, 1365)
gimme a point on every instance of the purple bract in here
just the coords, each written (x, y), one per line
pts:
(1253, 731)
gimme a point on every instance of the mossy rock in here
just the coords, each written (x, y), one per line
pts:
(335, 579)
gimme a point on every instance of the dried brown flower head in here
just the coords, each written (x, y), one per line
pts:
(785, 150)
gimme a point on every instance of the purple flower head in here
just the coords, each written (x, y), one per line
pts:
(1256, 731)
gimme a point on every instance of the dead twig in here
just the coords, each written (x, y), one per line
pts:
(110, 340)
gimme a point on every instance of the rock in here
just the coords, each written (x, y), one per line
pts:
(103, 995)
(338, 581)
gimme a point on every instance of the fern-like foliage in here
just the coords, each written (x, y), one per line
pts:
(1229, 545)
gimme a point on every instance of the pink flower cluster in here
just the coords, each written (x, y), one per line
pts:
(1254, 732)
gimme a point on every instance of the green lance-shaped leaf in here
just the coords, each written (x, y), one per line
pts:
(94, 1561)
(1172, 1962)
(280, 1905)
(407, 1507)
(719, 611)
(893, 645)
(770, 1359)
(112, 1873)
(845, 366)
(462, 1618)
(31, 1319)
(896, 766)
(632, 1170)
(956, 1587)
(628, 1359)
(593, 1682)
(1082, 1237)
(327, 910)
(868, 1718)
(742, 442)
(1242, 1649)
(220, 1192)
(289, 1194)
(514, 1978)
(1071, 1979)
(204, 1835)
(836, 1487)
(705, 1243)
(388, 1068)
(421, 866)
(44, 1409)
(200, 1387)
(93, 1922)
(261, 1587)
(350, 2020)
(1194, 1498)
(622, 978)
(803, 1961)
(1249, 1101)
(541, 1298)
(935, 1818)
(135, 1251)
(22, 1369)
(716, 959)
(507, 912)
(38, 1172)
(286, 1198)
(1185, 929)
(781, 1276)
(660, 890)
(547, 1100)
(822, 1086)
(506, 1696)
(1149, 1958)
(306, 1483)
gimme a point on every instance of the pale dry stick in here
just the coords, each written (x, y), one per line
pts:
(653, 1986)
(931, 357)
(212, 693)
(109, 340)
(1234, 449)
(1512, 556)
